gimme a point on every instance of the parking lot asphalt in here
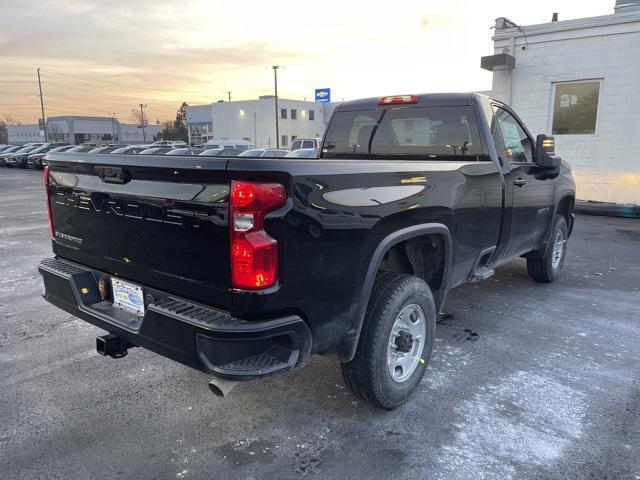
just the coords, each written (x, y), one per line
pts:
(526, 381)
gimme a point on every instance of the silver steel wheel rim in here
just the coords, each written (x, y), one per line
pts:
(558, 250)
(411, 322)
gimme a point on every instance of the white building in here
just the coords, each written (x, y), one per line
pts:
(80, 129)
(21, 134)
(255, 121)
(579, 80)
(199, 123)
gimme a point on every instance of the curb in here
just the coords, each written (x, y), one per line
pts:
(628, 210)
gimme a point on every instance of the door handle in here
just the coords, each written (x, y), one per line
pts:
(520, 182)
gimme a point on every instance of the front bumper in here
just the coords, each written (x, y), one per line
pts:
(34, 162)
(196, 335)
(19, 162)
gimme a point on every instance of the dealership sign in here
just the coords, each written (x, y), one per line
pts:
(323, 94)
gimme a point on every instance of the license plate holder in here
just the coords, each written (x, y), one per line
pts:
(128, 296)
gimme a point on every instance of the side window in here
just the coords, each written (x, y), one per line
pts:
(517, 144)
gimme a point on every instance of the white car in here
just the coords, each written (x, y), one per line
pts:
(300, 143)
(235, 144)
(265, 152)
(169, 143)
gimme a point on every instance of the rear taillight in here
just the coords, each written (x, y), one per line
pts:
(254, 254)
(398, 99)
(47, 184)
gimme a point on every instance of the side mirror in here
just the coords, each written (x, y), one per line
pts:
(546, 155)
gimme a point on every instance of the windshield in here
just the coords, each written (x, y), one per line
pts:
(26, 149)
(416, 132)
(80, 149)
(303, 153)
(43, 148)
(254, 152)
(62, 148)
(214, 152)
(178, 151)
(274, 153)
(155, 151)
(10, 149)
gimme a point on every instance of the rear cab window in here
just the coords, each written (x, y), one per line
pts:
(426, 133)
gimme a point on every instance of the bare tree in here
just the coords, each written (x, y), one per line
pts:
(4, 135)
(8, 120)
(54, 132)
(136, 116)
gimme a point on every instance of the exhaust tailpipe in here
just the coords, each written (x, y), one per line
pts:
(221, 388)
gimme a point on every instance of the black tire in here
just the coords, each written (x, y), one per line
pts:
(367, 375)
(544, 269)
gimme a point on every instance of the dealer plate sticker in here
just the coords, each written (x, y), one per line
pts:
(128, 296)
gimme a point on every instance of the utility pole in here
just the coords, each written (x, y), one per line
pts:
(275, 84)
(44, 122)
(229, 93)
(144, 137)
(113, 125)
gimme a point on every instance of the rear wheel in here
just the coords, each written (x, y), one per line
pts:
(547, 268)
(395, 342)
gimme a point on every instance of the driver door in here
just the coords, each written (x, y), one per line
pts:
(529, 195)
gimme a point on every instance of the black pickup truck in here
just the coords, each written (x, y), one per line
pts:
(243, 267)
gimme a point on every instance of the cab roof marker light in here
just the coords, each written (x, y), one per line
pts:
(398, 99)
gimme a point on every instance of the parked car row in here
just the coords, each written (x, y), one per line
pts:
(32, 155)
(19, 155)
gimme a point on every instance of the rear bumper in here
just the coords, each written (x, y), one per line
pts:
(199, 336)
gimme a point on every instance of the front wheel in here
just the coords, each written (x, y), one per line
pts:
(395, 342)
(547, 268)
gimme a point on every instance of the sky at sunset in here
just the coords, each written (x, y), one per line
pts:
(101, 57)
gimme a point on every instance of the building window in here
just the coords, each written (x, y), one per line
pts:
(284, 142)
(575, 107)
(312, 115)
(293, 137)
(294, 114)
(283, 113)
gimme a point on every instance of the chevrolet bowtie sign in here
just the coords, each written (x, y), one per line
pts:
(323, 94)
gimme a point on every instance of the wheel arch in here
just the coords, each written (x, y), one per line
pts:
(347, 348)
(564, 206)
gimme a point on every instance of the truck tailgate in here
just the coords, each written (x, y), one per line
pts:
(157, 221)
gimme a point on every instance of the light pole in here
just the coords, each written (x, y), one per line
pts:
(144, 137)
(275, 84)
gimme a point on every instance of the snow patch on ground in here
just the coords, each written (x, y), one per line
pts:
(526, 420)
(445, 366)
